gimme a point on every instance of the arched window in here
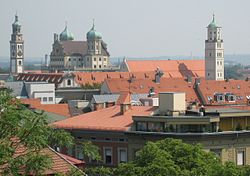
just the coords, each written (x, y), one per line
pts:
(68, 82)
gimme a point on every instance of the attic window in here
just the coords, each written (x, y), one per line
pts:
(230, 97)
(219, 97)
(238, 86)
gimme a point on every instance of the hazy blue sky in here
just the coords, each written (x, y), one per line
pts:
(132, 28)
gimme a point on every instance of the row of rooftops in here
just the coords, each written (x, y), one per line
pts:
(197, 89)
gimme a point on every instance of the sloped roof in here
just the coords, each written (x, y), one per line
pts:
(143, 85)
(74, 47)
(55, 78)
(105, 98)
(59, 164)
(60, 109)
(18, 88)
(209, 88)
(108, 119)
(175, 68)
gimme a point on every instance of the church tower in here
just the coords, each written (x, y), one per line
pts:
(16, 48)
(214, 53)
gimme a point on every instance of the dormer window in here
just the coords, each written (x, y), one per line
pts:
(219, 97)
(230, 97)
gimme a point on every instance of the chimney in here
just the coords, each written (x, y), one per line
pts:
(124, 107)
(172, 103)
(158, 74)
(125, 102)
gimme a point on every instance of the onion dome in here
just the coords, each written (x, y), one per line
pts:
(212, 24)
(93, 34)
(66, 35)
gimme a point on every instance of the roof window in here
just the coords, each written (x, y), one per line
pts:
(219, 97)
(230, 97)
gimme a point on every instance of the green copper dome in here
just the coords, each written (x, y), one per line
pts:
(212, 24)
(66, 35)
(93, 34)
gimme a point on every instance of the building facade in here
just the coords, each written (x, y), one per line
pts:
(214, 53)
(68, 54)
(16, 48)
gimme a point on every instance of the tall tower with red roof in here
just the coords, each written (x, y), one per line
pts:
(214, 53)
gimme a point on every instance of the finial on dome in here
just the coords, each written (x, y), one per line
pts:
(93, 26)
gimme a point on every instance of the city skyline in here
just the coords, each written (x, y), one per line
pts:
(160, 28)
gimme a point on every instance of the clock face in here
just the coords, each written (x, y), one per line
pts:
(19, 53)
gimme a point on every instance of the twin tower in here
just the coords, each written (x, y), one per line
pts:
(214, 51)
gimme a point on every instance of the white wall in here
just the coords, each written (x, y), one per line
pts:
(44, 91)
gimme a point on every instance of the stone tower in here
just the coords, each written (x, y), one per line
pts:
(16, 48)
(214, 53)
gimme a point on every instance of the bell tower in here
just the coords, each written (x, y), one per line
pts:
(16, 48)
(214, 53)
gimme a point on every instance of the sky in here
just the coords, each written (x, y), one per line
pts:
(131, 28)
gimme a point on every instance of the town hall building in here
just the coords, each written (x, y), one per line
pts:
(68, 54)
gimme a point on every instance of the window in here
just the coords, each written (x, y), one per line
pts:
(141, 126)
(240, 158)
(19, 62)
(45, 99)
(108, 155)
(94, 59)
(78, 150)
(50, 98)
(68, 82)
(220, 62)
(104, 59)
(122, 155)
(100, 59)
(210, 54)
(100, 66)
(94, 66)
(104, 66)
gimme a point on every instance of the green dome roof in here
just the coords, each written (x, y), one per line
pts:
(93, 34)
(66, 35)
(212, 24)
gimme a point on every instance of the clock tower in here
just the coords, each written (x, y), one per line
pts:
(16, 48)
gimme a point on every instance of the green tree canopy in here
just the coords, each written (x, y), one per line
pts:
(21, 127)
(171, 157)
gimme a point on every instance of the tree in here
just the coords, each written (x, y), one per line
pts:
(25, 129)
(91, 151)
(172, 157)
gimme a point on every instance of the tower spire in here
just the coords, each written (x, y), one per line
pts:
(213, 18)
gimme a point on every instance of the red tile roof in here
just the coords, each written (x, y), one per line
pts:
(72, 160)
(143, 86)
(108, 119)
(60, 109)
(175, 68)
(41, 77)
(59, 163)
(240, 88)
